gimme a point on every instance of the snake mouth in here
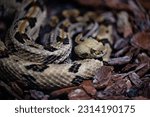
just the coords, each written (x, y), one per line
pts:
(92, 56)
(98, 53)
(95, 56)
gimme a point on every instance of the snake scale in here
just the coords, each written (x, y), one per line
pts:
(42, 65)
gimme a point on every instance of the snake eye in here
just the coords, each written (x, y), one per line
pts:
(101, 52)
(92, 51)
(96, 52)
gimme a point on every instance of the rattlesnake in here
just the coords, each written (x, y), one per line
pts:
(37, 65)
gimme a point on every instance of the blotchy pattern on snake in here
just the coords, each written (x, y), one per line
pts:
(23, 59)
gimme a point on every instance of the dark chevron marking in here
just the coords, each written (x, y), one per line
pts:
(37, 3)
(100, 59)
(33, 46)
(21, 36)
(105, 41)
(51, 59)
(77, 80)
(31, 20)
(59, 39)
(50, 48)
(74, 68)
(37, 68)
(66, 41)
(29, 77)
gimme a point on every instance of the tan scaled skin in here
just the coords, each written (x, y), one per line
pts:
(90, 48)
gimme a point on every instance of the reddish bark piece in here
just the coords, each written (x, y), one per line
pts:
(63, 91)
(129, 85)
(144, 60)
(117, 4)
(78, 94)
(129, 67)
(116, 87)
(141, 66)
(103, 76)
(89, 87)
(143, 71)
(142, 40)
(135, 79)
(128, 5)
(127, 31)
(133, 52)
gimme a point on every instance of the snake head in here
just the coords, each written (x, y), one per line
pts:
(90, 48)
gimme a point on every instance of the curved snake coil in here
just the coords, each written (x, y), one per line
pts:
(38, 65)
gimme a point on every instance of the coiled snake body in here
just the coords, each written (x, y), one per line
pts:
(42, 65)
